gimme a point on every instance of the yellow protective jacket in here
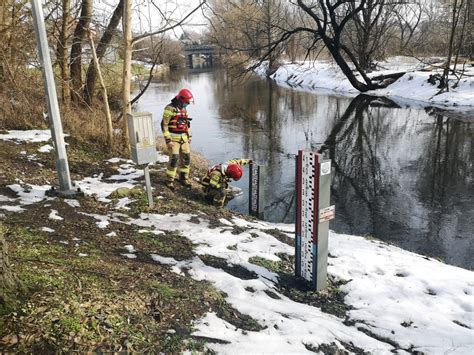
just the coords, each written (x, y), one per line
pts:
(216, 176)
(175, 124)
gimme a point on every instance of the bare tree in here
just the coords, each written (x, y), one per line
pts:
(369, 31)
(407, 21)
(80, 35)
(459, 24)
(245, 29)
(128, 44)
(324, 22)
(104, 43)
(104, 92)
(63, 50)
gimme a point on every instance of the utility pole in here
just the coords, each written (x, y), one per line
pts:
(62, 166)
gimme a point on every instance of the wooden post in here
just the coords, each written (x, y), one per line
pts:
(110, 131)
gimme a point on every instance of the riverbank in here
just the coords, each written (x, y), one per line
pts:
(106, 273)
(412, 89)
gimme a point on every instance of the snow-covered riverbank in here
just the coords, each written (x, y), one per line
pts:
(411, 88)
(397, 301)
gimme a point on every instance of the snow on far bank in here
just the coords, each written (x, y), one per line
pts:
(418, 303)
(31, 136)
(314, 76)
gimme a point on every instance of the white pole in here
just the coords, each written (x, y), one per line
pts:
(62, 165)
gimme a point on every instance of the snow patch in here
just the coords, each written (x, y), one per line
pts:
(46, 148)
(12, 208)
(31, 136)
(54, 216)
(30, 194)
(72, 202)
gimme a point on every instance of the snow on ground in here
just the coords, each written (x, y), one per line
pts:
(103, 220)
(54, 216)
(413, 86)
(72, 202)
(12, 208)
(31, 136)
(46, 148)
(396, 296)
(29, 194)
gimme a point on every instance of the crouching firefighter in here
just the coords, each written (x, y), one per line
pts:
(177, 133)
(216, 181)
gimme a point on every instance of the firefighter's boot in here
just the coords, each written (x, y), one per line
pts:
(170, 185)
(184, 179)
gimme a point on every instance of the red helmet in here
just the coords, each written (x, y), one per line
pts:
(234, 171)
(185, 96)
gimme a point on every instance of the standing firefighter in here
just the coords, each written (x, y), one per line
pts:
(216, 181)
(177, 133)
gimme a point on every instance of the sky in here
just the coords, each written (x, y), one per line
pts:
(147, 15)
(396, 296)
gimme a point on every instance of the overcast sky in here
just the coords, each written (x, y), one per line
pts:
(148, 14)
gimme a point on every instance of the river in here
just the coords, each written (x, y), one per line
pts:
(403, 175)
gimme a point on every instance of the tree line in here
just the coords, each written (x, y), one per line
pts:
(82, 34)
(356, 35)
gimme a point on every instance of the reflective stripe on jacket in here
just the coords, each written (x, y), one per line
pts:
(216, 175)
(175, 124)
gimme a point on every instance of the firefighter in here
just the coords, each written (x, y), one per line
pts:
(177, 133)
(216, 181)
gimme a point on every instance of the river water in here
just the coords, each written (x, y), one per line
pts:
(400, 174)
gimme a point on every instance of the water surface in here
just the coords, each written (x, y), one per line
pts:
(400, 174)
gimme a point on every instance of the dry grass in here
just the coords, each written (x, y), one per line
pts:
(23, 105)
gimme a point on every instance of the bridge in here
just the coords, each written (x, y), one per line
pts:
(206, 50)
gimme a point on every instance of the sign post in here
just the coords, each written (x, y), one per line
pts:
(256, 191)
(313, 212)
(142, 145)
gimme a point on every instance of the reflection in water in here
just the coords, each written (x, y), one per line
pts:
(402, 175)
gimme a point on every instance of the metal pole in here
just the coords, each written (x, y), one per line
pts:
(148, 186)
(62, 165)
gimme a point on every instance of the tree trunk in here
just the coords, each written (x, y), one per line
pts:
(102, 46)
(63, 48)
(9, 286)
(104, 94)
(455, 17)
(127, 64)
(76, 50)
(341, 62)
